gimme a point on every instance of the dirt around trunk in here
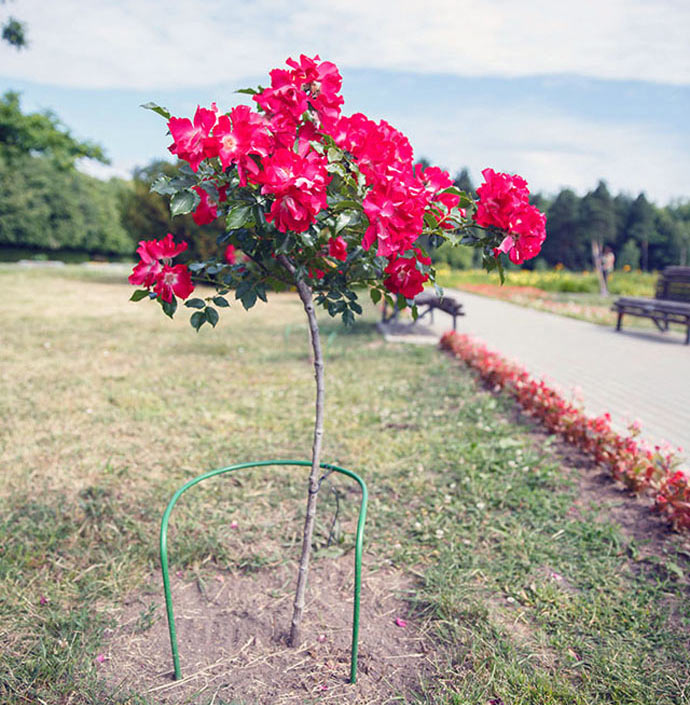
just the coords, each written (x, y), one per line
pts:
(232, 633)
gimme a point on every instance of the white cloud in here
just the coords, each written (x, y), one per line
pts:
(178, 44)
(120, 170)
(553, 150)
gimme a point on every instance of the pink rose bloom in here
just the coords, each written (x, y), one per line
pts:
(395, 209)
(290, 212)
(190, 141)
(175, 281)
(404, 277)
(435, 180)
(155, 268)
(499, 196)
(337, 248)
(299, 185)
(230, 255)
(145, 273)
(240, 135)
(321, 82)
(284, 97)
(206, 212)
(504, 203)
(381, 151)
(168, 248)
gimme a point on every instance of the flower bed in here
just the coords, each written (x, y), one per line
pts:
(628, 459)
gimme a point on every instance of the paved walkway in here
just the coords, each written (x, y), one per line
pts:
(635, 374)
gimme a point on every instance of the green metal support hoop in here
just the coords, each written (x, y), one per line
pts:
(241, 466)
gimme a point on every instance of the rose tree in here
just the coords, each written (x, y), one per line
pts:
(332, 205)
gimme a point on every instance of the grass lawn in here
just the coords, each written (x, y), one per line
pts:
(533, 585)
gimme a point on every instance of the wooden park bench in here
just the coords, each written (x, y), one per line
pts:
(671, 302)
(427, 303)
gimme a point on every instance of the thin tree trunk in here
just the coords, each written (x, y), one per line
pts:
(598, 267)
(305, 295)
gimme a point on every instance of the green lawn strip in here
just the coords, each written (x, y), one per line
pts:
(526, 601)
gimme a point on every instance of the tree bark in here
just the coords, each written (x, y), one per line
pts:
(598, 268)
(305, 295)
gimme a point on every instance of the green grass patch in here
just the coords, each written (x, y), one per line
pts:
(109, 408)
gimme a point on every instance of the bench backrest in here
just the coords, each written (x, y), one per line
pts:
(674, 284)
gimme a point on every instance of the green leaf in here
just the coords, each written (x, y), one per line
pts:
(163, 186)
(195, 303)
(355, 307)
(334, 154)
(220, 302)
(247, 91)
(139, 294)
(261, 292)
(336, 168)
(157, 109)
(183, 202)
(342, 221)
(452, 189)
(169, 307)
(248, 299)
(342, 205)
(430, 221)
(197, 320)
(212, 316)
(238, 216)
(375, 295)
(242, 288)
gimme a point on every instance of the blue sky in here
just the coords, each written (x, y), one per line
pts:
(564, 94)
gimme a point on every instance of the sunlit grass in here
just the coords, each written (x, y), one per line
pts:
(108, 407)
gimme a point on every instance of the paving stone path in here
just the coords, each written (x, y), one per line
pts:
(635, 374)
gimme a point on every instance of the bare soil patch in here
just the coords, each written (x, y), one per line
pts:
(232, 639)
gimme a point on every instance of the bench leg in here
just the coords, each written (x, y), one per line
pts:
(620, 320)
(455, 322)
(687, 334)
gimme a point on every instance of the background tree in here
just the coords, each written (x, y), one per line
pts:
(681, 214)
(145, 213)
(599, 220)
(40, 134)
(47, 208)
(463, 181)
(14, 31)
(565, 242)
(46, 204)
(629, 255)
(641, 226)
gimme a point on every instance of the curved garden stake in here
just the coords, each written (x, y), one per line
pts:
(241, 466)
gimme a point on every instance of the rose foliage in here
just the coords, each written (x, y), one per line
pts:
(308, 193)
(640, 467)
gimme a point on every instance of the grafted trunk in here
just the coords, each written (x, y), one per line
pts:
(305, 295)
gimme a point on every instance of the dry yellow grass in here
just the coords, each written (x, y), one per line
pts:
(91, 382)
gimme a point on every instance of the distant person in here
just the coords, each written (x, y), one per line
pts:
(608, 261)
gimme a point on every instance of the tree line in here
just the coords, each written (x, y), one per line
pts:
(48, 206)
(641, 234)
